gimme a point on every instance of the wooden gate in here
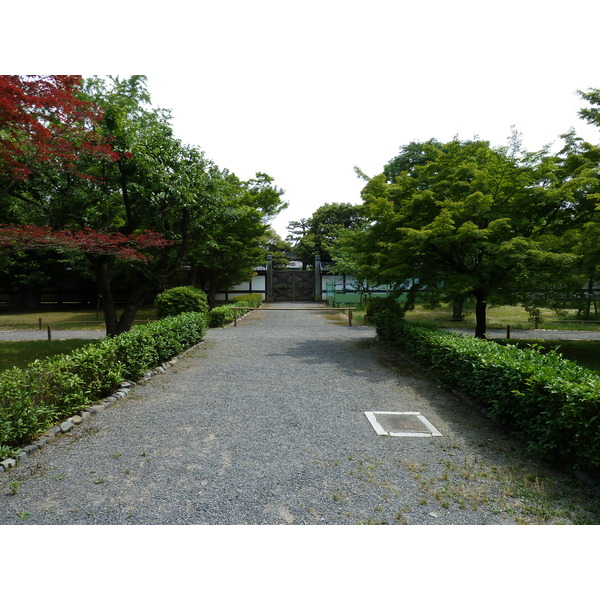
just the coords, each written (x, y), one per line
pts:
(293, 286)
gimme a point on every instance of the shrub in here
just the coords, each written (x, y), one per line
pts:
(553, 401)
(253, 300)
(135, 350)
(98, 366)
(377, 304)
(176, 334)
(177, 300)
(21, 416)
(221, 315)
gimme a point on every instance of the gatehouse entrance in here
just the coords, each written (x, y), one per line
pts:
(293, 286)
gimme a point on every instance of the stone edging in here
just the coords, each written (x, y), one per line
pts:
(86, 413)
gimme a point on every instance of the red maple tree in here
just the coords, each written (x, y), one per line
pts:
(44, 119)
(88, 241)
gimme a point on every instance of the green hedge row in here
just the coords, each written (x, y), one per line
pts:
(221, 315)
(553, 401)
(35, 398)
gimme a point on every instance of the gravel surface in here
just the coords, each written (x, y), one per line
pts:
(264, 423)
(57, 334)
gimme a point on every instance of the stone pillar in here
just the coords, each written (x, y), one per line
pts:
(318, 282)
(269, 279)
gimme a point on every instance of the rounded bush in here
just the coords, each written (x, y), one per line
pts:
(378, 304)
(177, 300)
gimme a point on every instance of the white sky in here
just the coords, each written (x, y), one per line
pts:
(304, 91)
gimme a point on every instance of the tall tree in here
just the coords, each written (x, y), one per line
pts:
(585, 157)
(228, 252)
(157, 183)
(471, 220)
(298, 230)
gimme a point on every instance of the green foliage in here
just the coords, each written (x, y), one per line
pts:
(37, 397)
(252, 300)
(227, 252)
(221, 315)
(464, 218)
(280, 250)
(376, 304)
(386, 314)
(177, 300)
(319, 234)
(136, 350)
(553, 401)
(174, 335)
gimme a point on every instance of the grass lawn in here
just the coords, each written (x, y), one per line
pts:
(498, 317)
(65, 317)
(20, 354)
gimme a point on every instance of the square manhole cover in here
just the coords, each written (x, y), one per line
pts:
(401, 424)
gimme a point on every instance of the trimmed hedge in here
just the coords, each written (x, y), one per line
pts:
(553, 401)
(221, 315)
(35, 398)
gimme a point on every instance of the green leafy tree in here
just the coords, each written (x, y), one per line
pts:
(584, 159)
(298, 231)
(228, 252)
(281, 250)
(319, 233)
(157, 183)
(471, 220)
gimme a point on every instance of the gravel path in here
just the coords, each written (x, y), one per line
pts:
(264, 423)
(537, 334)
(19, 335)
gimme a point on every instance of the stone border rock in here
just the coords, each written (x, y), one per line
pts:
(89, 411)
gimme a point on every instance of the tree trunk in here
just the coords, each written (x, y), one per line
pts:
(103, 274)
(480, 314)
(457, 308)
(411, 298)
(591, 300)
(32, 296)
(128, 316)
(138, 292)
(211, 293)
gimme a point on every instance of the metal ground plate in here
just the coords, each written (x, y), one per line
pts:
(401, 424)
